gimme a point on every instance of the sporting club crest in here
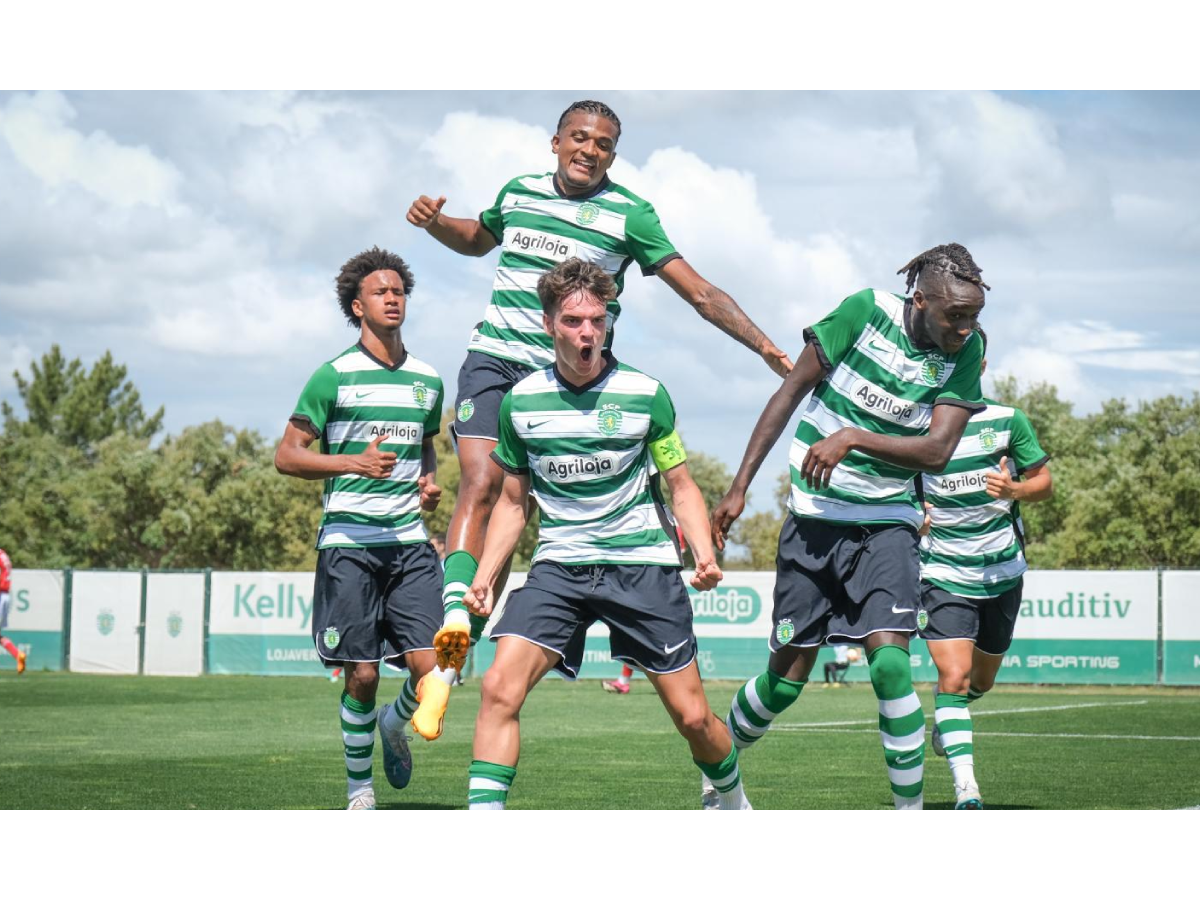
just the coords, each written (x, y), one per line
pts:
(174, 624)
(331, 638)
(587, 214)
(106, 622)
(988, 439)
(609, 420)
(785, 631)
(922, 619)
(421, 394)
(933, 368)
(466, 409)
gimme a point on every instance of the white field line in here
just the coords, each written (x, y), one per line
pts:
(806, 726)
(1105, 737)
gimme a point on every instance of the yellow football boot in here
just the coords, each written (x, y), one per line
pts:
(451, 643)
(433, 695)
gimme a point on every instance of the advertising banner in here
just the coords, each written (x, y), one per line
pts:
(105, 618)
(35, 619)
(1181, 627)
(260, 623)
(174, 642)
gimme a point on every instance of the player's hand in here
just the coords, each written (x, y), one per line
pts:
(431, 494)
(376, 463)
(775, 358)
(731, 506)
(479, 598)
(424, 211)
(928, 523)
(707, 575)
(823, 456)
(1000, 484)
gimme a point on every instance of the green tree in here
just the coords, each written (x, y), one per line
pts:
(76, 406)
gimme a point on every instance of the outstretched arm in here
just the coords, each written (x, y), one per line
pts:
(805, 376)
(716, 306)
(465, 236)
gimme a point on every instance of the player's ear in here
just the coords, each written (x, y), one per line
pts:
(548, 324)
(356, 307)
(554, 143)
(918, 299)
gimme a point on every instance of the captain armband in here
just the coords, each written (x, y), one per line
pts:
(668, 452)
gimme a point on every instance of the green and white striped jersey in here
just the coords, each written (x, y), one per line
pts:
(351, 400)
(878, 380)
(593, 455)
(537, 228)
(972, 548)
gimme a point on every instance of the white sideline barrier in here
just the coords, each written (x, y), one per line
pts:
(174, 642)
(105, 618)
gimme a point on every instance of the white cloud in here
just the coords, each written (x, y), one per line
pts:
(1000, 165)
(38, 132)
(478, 155)
(1089, 336)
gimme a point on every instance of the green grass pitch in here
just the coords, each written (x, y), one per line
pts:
(76, 741)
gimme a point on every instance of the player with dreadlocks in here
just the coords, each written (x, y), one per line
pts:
(972, 563)
(540, 221)
(894, 381)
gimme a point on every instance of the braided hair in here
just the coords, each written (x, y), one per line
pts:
(945, 260)
(594, 107)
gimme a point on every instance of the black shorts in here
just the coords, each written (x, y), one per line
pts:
(839, 583)
(646, 609)
(988, 621)
(483, 381)
(372, 604)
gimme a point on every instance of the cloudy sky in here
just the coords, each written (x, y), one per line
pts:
(196, 235)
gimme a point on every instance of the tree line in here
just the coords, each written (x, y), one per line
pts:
(87, 480)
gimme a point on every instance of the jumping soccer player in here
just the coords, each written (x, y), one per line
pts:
(539, 221)
(376, 409)
(894, 381)
(971, 571)
(5, 589)
(589, 438)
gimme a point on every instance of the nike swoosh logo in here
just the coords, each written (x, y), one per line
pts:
(533, 425)
(901, 609)
(875, 346)
(361, 394)
(904, 760)
(670, 650)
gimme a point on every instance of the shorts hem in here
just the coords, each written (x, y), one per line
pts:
(645, 668)
(852, 638)
(562, 660)
(990, 653)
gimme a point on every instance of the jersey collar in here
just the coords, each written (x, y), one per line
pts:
(379, 362)
(610, 363)
(598, 189)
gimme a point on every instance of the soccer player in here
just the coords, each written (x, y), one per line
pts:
(539, 221)
(589, 438)
(971, 571)
(894, 381)
(5, 589)
(375, 409)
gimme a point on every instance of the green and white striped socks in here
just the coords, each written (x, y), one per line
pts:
(954, 722)
(727, 779)
(489, 784)
(459, 571)
(403, 707)
(901, 724)
(358, 741)
(756, 704)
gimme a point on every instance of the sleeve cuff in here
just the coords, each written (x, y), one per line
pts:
(810, 337)
(499, 240)
(302, 421)
(964, 404)
(653, 268)
(1036, 465)
(510, 469)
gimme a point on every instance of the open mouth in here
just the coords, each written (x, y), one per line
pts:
(583, 166)
(586, 354)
